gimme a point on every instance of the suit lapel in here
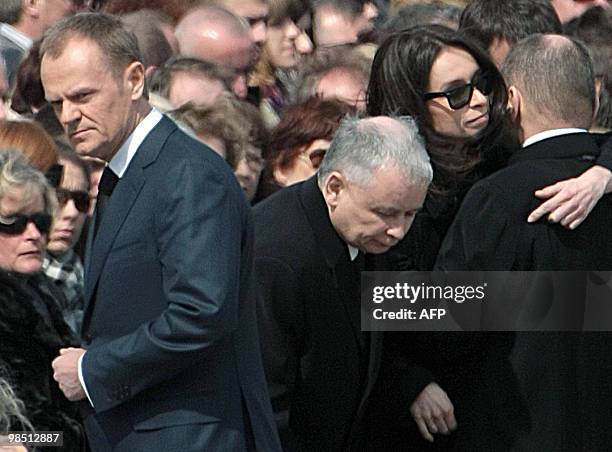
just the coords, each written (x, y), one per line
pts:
(335, 252)
(117, 209)
(119, 205)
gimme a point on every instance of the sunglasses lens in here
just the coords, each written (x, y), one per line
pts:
(42, 222)
(16, 224)
(80, 198)
(460, 97)
(13, 225)
(484, 83)
(81, 201)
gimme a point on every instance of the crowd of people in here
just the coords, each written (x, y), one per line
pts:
(190, 190)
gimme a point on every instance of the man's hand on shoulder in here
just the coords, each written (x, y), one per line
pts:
(433, 412)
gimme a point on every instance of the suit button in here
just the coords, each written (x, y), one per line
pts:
(86, 339)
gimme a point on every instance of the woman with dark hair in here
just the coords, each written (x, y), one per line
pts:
(298, 143)
(434, 383)
(437, 391)
(458, 99)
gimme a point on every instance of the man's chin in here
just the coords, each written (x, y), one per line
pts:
(375, 247)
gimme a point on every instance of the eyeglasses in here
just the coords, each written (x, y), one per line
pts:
(462, 95)
(16, 224)
(80, 198)
(315, 157)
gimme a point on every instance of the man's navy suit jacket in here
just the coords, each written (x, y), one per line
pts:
(173, 355)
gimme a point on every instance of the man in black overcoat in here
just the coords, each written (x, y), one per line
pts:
(310, 241)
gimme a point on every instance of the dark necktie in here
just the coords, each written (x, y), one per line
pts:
(105, 189)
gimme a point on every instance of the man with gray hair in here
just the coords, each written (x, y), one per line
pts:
(564, 378)
(311, 241)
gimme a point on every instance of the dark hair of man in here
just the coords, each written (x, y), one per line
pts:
(594, 28)
(161, 79)
(398, 82)
(154, 47)
(118, 45)
(279, 10)
(512, 20)
(556, 77)
(422, 14)
(10, 11)
(352, 8)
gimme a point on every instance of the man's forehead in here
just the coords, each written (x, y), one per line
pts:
(251, 9)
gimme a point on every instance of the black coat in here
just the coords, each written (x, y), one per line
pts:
(564, 377)
(319, 365)
(32, 331)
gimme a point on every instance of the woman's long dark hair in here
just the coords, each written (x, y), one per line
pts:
(398, 82)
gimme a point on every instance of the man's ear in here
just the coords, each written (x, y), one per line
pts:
(134, 77)
(515, 102)
(279, 176)
(333, 188)
(31, 8)
(598, 88)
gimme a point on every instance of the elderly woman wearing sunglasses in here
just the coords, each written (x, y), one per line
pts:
(32, 329)
(64, 171)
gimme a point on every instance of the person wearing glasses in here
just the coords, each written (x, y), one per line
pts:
(459, 99)
(299, 142)
(435, 389)
(61, 263)
(555, 363)
(32, 329)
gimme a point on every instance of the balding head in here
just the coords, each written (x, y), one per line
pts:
(214, 34)
(360, 146)
(551, 82)
(345, 84)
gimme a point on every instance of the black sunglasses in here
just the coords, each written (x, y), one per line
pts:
(80, 198)
(462, 95)
(16, 224)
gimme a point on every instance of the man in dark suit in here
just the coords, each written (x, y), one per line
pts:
(171, 359)
(309, 244)
(564, 377)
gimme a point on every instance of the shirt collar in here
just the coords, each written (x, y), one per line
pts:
(551, 133)
(127, 151)
(14, 35)
(353, 252)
